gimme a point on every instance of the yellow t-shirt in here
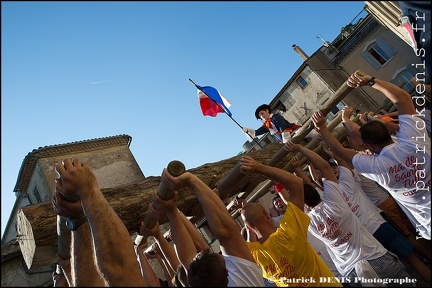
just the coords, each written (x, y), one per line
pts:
(288, 259)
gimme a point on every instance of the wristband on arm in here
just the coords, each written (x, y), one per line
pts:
(279, 187)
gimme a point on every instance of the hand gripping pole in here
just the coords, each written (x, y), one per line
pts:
(175, 168)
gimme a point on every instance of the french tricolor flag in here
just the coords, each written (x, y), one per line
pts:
(212, 102)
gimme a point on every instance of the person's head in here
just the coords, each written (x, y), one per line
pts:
(334, 166)
(263, 112)
(208, 269)
(375, 136)
(311, 196)
(278, 204)
(253, 214)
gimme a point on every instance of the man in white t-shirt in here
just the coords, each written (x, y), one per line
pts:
(333, 222)
(403, 168)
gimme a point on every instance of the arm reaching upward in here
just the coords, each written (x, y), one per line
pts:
(314, 158)
(397, 95)
(289, 180)
(183, 242)
(220, 221)
(345, 153)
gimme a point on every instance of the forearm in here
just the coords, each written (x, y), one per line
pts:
(316, 160)
(168, 252)
(220, 222)
(284, 196)
(117, 264)
(397, 95)
(335, 146)
(350, 126)
(169, 273)
(84, 271)
(183, 242)
(147, 271)
(199, 242)
(287, 179)
(302, 174)
(260, 131)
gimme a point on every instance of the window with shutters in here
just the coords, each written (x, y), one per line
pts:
(403, 79)
(378, 53)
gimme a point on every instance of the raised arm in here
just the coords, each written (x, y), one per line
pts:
(165, 247)
(199, 242)
(314, 158)
(315, 175)
(301, 173)
(182, 240)
(118, 265)
(163, 263)
(352, 129)
(146, 269)
(82, 265)
(220, 221)
(397, 95)
(320, 123)
(289, 180)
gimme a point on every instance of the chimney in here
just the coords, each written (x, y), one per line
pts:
(299, 51)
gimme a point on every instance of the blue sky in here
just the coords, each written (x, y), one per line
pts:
(74, 71)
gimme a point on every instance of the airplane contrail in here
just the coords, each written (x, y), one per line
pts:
(99, 82)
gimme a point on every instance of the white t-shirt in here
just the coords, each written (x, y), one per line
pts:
(372, 190)
(403, 168)
(359, 203)
(341, 231)
(243, 273)
(322, 250)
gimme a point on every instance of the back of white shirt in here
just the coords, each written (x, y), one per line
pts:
(404, 170)
(339, 228)
(373, 191)
(357, 200)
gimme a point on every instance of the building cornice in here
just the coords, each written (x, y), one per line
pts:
(30, 160)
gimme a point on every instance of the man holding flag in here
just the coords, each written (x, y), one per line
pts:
(273, 123)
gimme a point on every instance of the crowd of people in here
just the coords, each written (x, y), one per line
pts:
(328, 227)
(358, 220)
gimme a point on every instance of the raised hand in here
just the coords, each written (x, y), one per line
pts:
(356, 81)
(295, 162)
(319, 119)
(75, 178)
(291, 146)
(248, 164)
(347, 112)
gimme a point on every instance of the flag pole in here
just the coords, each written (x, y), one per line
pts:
(225, 112)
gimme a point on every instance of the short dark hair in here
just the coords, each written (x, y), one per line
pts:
(262, 107)
(311, 195)
(375, 133)
(205, 270)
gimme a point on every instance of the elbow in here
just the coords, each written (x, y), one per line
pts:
(297, 184)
